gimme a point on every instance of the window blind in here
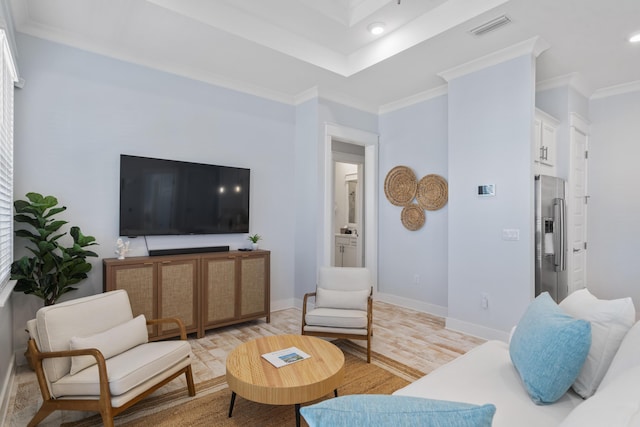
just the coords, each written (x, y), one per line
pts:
(7, 79)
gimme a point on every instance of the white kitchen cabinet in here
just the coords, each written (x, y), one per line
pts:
(545, 143)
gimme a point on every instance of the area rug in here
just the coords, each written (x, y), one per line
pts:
(211, 404)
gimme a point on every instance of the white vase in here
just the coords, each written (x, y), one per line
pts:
(254, 246)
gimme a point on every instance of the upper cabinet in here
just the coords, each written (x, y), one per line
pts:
(544, 139)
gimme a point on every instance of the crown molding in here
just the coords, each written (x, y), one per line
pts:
(533, 46)
(573, 80)
(413, 99)
(616, 90)
(170, 67)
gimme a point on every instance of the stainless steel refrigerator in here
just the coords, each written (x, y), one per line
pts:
(551, 237)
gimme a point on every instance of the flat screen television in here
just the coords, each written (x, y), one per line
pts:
(168, 197)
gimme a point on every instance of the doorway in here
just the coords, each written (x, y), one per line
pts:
(368, 226)
(348, 221)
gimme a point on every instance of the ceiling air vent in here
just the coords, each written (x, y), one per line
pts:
(494, 24)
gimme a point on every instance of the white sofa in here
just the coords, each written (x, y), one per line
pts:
(611, 373)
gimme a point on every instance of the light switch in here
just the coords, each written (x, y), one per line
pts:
(510, 234)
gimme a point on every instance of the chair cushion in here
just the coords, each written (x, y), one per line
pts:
(614, 405)
(126, 370)
(56, 324)
(626, 358)
(372, 410)
(344, 278)
(610, 322)
(348, 300)
(336, 318)
(548, 349)
(110, 342)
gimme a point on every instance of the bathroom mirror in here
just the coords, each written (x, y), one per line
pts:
(351, 181)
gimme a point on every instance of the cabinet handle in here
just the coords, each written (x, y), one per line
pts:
(541, 152)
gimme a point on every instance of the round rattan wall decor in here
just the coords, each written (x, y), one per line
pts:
(412, 217)
(400, 186)
(432, 193)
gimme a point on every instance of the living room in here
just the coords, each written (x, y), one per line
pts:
(79, 110)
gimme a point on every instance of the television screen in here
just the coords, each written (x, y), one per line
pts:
(163, 197)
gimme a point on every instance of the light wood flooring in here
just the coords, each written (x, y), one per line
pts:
(415, 339)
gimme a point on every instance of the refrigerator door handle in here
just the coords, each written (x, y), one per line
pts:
(559, 238)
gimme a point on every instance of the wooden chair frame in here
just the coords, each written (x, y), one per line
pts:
(340, 335)
(103, 403)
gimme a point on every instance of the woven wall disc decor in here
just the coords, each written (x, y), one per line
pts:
(432, 192)
(412, 217)
(400, 186)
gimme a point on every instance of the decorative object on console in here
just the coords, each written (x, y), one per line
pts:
(121, 248)
(254, 238)
(54, 269)
(432, 192)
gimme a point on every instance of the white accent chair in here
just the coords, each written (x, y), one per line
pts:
(91, 354)
(343, 305)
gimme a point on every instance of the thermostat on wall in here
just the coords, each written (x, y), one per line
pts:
(487, 190)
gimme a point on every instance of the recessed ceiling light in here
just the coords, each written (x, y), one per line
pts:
(635, 38)
(376, 28)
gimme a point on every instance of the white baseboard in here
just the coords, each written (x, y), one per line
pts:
(5, 393)
(476, 330)
(436, 310)
(284, 304)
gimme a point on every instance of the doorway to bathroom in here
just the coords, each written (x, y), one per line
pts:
(347, 231)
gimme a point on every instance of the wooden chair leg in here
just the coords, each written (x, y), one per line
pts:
(42, 413)
(107, 420)
(369, 349)
(190, 385)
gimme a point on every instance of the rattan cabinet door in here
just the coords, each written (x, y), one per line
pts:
(178, 294)
(219, 286)
(254, 284)
(138, 280)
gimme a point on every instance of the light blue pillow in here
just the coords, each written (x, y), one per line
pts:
(375, 410)
(548, 348)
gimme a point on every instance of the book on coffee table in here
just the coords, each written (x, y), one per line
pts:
(286, 356)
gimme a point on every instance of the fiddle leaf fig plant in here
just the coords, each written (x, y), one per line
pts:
(54, 269)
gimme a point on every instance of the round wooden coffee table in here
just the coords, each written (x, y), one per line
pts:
(254, 378)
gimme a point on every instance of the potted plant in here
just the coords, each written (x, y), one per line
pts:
(54, 268)
(254, 240)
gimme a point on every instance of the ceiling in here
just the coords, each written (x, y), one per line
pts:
(287, 49)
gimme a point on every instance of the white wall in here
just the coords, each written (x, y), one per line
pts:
(304, 200)
(79, 111)
(490, 133)
(414, 136)
(613, 229)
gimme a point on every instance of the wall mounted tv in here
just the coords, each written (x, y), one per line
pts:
(165, 197)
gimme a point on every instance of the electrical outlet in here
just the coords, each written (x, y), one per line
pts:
(416, 279)
(484, 300)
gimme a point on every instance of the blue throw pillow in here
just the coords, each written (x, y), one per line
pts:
(374, 410)
(548, 348)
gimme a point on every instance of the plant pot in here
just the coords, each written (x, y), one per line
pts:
(254, 246)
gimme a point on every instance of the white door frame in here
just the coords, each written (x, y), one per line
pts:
(580, 125)
(369, 141)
